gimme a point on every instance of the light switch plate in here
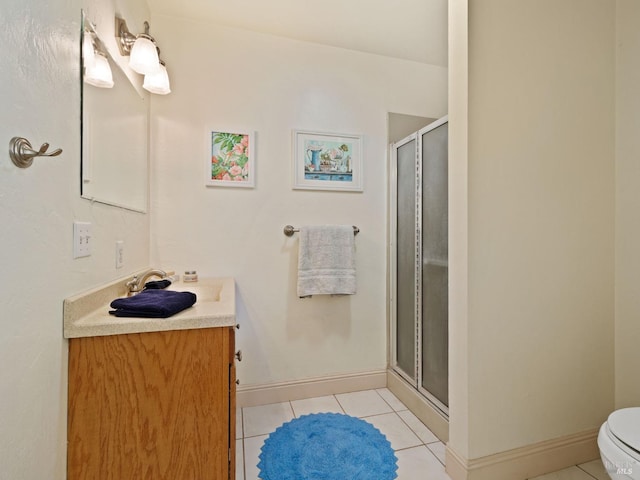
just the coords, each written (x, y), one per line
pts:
(81, 239)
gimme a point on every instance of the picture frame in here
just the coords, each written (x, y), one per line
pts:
(230, 159)
(327, 161)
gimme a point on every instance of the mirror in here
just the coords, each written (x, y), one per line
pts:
(114, 135)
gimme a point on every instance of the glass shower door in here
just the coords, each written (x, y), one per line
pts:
(434, 337)
(419, 262)
(405, 331)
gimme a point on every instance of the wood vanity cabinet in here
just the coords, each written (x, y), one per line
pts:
(152, 406)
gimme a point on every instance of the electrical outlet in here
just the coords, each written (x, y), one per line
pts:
(119, 254)
(81, 239)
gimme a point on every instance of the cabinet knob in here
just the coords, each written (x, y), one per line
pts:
(238, 382)
(237, 326)
(239, 355)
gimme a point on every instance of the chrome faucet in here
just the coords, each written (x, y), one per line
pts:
(136, 284)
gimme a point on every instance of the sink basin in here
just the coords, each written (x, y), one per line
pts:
(206, 289)
(87, 314)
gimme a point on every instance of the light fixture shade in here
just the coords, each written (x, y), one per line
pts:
(99, 75)
(88, 54)
(157, 83)
(144, 56)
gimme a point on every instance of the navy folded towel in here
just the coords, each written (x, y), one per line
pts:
(158, 284)
(153, 304)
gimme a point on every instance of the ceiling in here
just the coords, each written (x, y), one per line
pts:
(408, 29)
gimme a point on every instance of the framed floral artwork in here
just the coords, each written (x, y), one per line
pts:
(327, 161)
(230, 160)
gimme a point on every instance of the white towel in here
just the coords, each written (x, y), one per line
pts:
(326, 261)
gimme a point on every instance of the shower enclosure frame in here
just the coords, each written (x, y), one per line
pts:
(393, 264)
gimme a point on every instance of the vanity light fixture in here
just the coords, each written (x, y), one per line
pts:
(97, 71)
(88, 50)
(99, 75)
(158, 83)
(144, 57)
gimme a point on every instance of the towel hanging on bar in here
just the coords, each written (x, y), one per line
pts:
(289, 230)
(326, 260)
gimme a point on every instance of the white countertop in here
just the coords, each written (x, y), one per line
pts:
(87, 314)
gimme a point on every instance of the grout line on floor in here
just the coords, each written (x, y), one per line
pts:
(586, 472)
(244, 461)
(337, 400)
(387, 403)
(409, 448)
(434, 453)
(416, 433)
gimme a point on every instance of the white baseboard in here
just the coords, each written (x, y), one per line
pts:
(419, 406)
(526, 462)
(253, 395)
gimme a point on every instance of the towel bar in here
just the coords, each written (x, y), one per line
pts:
(289, 230)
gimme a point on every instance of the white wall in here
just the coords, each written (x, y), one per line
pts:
(401, 125)
(229, 78)
(535, 359)
(458, 226)
(627, 203)
(40, 100)
(408, 29)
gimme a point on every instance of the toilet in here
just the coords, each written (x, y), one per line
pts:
(619, 443)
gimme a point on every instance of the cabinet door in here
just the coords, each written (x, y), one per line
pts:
(152, 406)
(232, 405)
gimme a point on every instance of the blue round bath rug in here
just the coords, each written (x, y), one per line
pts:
(327, 446)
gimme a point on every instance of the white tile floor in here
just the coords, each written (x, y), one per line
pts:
(420, 454)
